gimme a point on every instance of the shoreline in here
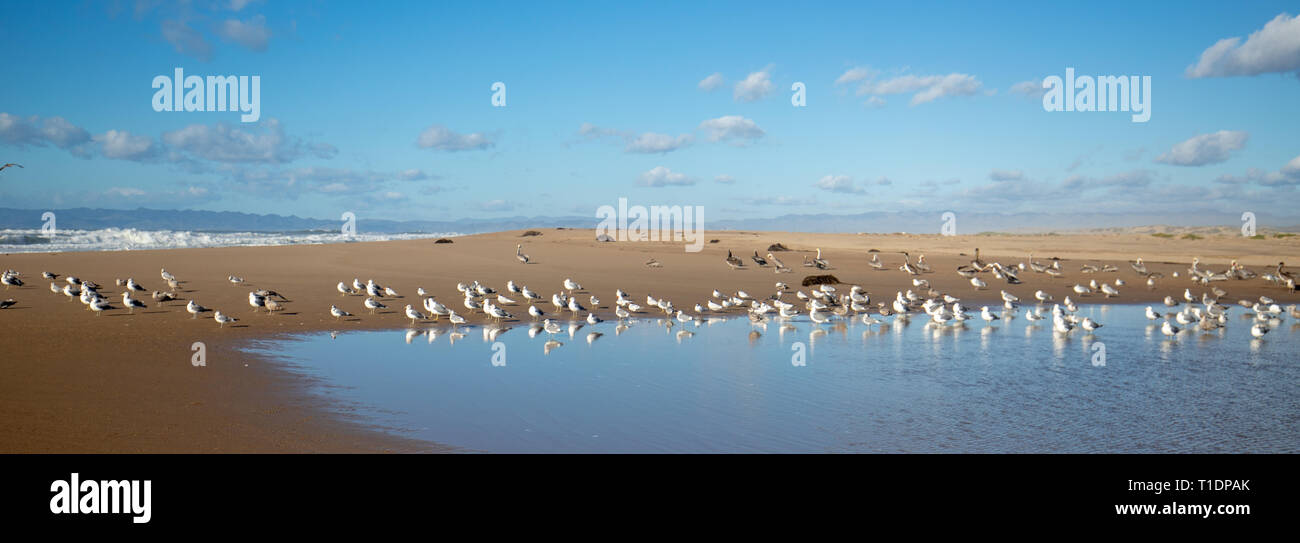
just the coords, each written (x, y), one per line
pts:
(125, 383)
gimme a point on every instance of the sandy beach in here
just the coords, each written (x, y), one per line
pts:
(74, 382)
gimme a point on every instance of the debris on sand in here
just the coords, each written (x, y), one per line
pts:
(777, 247)
(443, 240)
(820, 280)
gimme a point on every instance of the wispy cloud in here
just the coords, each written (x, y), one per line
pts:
(923, 88)
(441, 138)
(251, 33)
(712, 82)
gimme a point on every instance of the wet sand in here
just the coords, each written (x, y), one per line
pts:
(74, 382)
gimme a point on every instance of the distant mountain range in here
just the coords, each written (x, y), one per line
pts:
(873, 222)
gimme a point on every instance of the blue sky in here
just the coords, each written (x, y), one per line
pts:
(910, 107)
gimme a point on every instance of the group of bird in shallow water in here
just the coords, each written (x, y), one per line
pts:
(822, 304)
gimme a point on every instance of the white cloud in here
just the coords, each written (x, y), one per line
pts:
(711, 82)
(839, 183)
(440, 138)
(875, 102)
(1006, 175)
(651, 142)
(724, 179)
(1205, 149)
(1029, 89)
(777, 201)
(36, 132)
(1274, 48)
(925, 88)
(186, 40)
(853, 75)
(126, 146)
(251, 33)
(496, 205)
(265, 143)
(755, 86)
(660, 176)
(732, 127)
(1287, 176)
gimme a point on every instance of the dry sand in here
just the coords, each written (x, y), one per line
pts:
(74, 382)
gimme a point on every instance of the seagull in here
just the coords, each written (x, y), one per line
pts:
(10, 164)
(497, 313)
(571, 286)
(98, 305)
(344, 290)
(373, 304)
(593, 319)
(235, 280)
(131, 303)
(256, 301)
(519, 254)
(537, 313)
(575, 307)
(132, 285)
(194, 309)
(413, 314)
(7, 303)
(10, 281)
(222, 319)
(338, 313)
(389, 292)
(1090, 325)
(986, 315)
(1168, 329)
(273, 306)
(455, 319)
(1258, 330)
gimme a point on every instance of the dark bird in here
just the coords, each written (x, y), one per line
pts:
(10, 164)
(5, 304)
(759, 260)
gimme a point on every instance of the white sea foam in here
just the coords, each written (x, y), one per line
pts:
(130, 239)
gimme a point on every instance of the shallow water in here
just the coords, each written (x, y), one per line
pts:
(1008, 387)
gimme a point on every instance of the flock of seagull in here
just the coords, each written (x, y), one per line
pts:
(822, 304)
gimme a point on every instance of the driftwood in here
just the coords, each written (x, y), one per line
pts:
(443, 240)
(777, 247)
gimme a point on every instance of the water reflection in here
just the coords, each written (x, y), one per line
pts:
(888, 387)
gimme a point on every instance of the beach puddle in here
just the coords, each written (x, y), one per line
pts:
(726, 385)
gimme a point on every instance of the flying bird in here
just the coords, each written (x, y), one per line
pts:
(10, 164)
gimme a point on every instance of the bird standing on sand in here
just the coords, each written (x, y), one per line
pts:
(373, 304)
(733, 262)
(519, 254)
(222, 319)
(256, 301)
(338, 313)
(7, 303)
(413, 314)
(194, 309)
(758, 260)
(131, 303)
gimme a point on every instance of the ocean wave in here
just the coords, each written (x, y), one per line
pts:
(130, 239)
